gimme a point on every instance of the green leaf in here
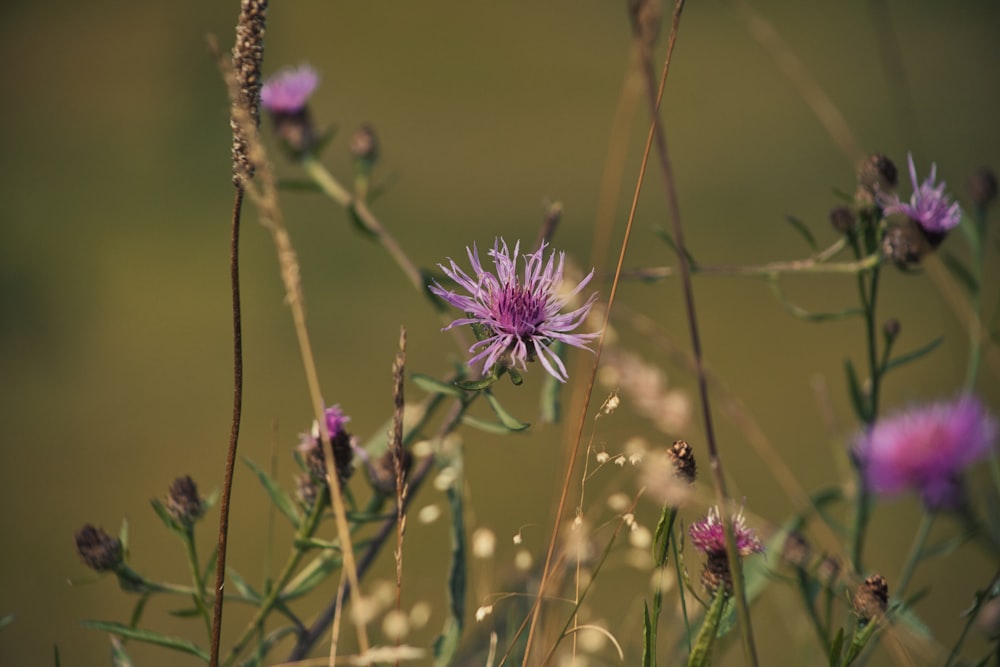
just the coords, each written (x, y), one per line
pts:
(311, 576)
(435, 386)
(280, 499)
(382, 187)
(961, 273)
(508, 420)
(359, 224)
(836, 648)
(551, 406)
(801, 228)
(701, 654)
(914, 355)
(168, 521)
(446, 644)
(854, 389)
(209, 501)
(477, 385)
(806, 315)
(189, 612)
(648, 638)
(243, 587)
(669, 240)
(6, 620)
(485, 426)
(148, 636)
(55, 655)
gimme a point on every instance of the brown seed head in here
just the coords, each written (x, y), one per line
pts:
(248, 54)
(871, 598)
(682, 456)
(876, 175)
(843, 219)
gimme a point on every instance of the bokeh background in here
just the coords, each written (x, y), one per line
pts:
(114, 307)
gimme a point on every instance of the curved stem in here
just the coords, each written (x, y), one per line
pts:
(916, 553)
(199, 595)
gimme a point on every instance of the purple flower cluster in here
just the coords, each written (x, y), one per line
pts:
(926, 448)
(288, 91)
(708, 535)
(517, 317)
(929, 206)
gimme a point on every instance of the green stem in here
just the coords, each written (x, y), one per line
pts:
(680, 590)
(916, 553)
(199, 595)
(975, 299)
(808, 601)
(305, 531)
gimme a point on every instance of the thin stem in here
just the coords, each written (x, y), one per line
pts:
(715, 459)
(305, 531)
(234, 430)
(916, 553)
(199, 596)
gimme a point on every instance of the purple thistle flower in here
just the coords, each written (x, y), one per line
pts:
(287, 91)
(929, 206)
(927, 448)
(708, 535)
(335, 420)
(520, 318)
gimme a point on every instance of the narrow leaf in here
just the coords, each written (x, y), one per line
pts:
(447, 643)
(119, 657)
(243, 587)
(701, 655)
(551, 406)
(148, 636)
(435, 386)
(280, 499)
(508, 420)
(477, 385)
(6, 620)
(854, 389)
(801, 228)
(669, 240)
(648, 639)
(836, 648)
(161, 511)
(266, 645)
(961, 273)
(806, 315)
(914, 355)
(190, 612)
(485, 426)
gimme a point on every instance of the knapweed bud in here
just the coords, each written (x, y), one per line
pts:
(871, 599)
(876, 175)
(285, 96)
(183, 502)
(843, 219)
(383, 471)
(364, 147)
(982, 187)
(891, 328)
(682, 457)
(311, 447)
(715, 575)
(99, 550)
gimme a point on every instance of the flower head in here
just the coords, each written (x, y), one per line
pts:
(517, 317)
(708, 535)
(311, 449)
(929, 206)
(926, 448)
(287, 91)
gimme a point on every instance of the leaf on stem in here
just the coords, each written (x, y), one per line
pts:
(447, 642)
(801, 313)
(801, 228)
(508, 420)
(435, 386)
(914, 355)
(961, 273)
(149, 637)
(280, 499)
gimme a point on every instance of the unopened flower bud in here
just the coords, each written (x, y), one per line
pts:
(843, 219)
(364, 145)
(383, 471)
(99, 550)
(905, 244)
(877, 175)
(871, 599)
(891, 328)
(183, 502)
(982, 186)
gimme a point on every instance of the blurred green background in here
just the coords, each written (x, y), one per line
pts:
(114, 307)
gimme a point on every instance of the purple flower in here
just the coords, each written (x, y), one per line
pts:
(335, 420)
(287, 91)
(926, 448)
(517, 318)
(708, 535)
(929, 206)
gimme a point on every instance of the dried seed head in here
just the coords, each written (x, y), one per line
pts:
(183, 502)
(905, 243)
(876, 175)
(871, 598)
(99, 550)
(248, 54)
(682, 456)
